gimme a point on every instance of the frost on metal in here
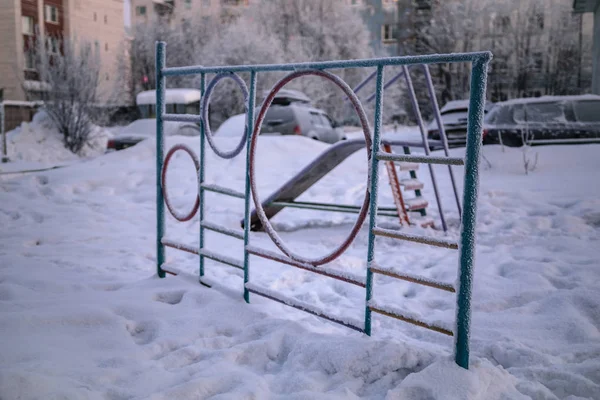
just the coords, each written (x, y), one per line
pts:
(174, 212)
(223, 190)
(412, 318)
(421, 280)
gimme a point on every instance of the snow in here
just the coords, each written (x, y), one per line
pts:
(82, 314)
(172, 96)
(550, 98)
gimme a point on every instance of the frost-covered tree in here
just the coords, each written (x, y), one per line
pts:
(70, 71)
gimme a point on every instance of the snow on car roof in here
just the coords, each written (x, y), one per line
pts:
(543, 99)
(290, 94)
(172, 96)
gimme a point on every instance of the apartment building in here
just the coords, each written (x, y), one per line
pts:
(143, 11)
(96, 21)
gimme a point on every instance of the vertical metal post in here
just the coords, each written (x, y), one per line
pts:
(415, 104)
(249, 130)
(160, 152)
(467, 234)
(3, 132)
(373, 179)
(201, 179)
(438, 119)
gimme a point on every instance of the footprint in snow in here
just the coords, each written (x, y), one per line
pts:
(170, 297)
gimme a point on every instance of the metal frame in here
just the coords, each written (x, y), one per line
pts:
(466, 246)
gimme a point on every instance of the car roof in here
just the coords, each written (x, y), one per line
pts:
(549, 99)
(461, 105)
(172, 96)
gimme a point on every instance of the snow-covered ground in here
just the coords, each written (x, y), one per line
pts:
(82, 315)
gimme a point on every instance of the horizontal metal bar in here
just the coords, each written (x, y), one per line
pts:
(383, 156)
(404, 318)
(177, 272)
(348, 206)
(221, 229)
(222, 259)
(372, 62)
(288, 302)
(179, 246)
(415, 279)
(329, 207)
(449, 244)
(182, 118)
(222, 190)
(565, 141)
(358, 281)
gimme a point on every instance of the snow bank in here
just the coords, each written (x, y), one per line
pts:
(39, 142)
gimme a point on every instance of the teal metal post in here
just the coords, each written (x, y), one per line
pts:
(160, 153)
(201, 180)
(373, 195)
(467, 234)
(249, 130)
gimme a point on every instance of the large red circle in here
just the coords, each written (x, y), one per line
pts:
(253, 141)
(172, 210)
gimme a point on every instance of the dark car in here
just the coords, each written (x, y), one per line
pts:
(454, 119)
(544, 120)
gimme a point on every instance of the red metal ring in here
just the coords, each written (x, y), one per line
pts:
(258, 204)
(173, 211)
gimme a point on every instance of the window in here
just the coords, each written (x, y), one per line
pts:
(587, 111)
(188, 4)
(354, 2)
(140, 10)
(106, 19)
(545, 112)
(53, 46)
(51, 14)
(27, 23)
(502, 23)
(205, 3)
(29, 60)
(387, 33)
(538, 61)
(105, 46)
(95, 17)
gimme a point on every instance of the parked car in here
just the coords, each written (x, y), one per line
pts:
(544, 120)
(454, 119)
(290, 113)
(141, 129)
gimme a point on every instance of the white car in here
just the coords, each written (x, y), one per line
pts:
(145, 128)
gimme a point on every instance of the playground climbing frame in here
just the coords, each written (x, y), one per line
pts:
(375, 154)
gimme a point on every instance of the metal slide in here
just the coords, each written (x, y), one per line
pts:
(313, 172)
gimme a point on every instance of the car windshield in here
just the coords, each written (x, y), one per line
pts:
(587, 111)
(318, 119)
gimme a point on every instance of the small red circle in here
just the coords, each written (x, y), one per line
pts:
(172, 210)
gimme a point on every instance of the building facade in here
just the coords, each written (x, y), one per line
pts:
(143, 11)
(24, 21)
(591, 8)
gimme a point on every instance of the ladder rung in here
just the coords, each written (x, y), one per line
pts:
(182, 117)
(415, 279)
(411, 184)
(221, 229)
(222, 259)
(420, 159)
(449, 244)
(301, 306)
(408, 166)
(410, 320)
(179, 246)
(349, 278)
(222, 190)
(417, 203)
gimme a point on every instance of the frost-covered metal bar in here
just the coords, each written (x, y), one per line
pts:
(201, 181)
(387, 85)
(440, 124)
(371, 62)
(417, 111)
(415, 279)
(449, 244)
(383, 156)
(222, 259)
(373, 180)
(182, 118)
(248, 133)
(222, 190)
(330, 207)
(179, 246)
(468, 223)
(300, 306)
(269, 255)
(411, 320)
(221, 229)
(160, 154)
